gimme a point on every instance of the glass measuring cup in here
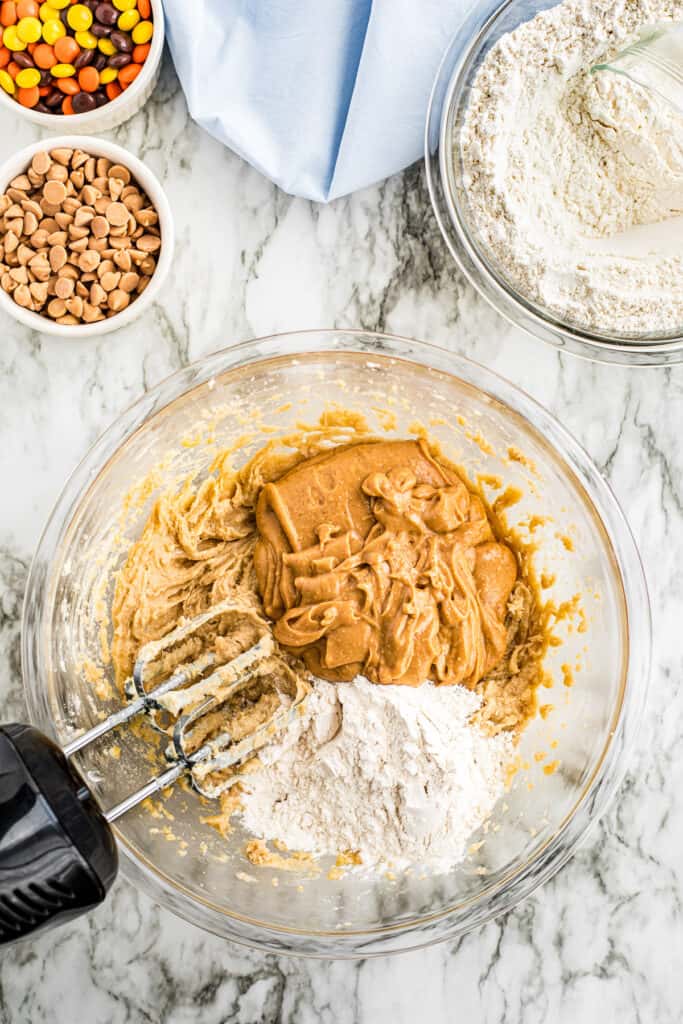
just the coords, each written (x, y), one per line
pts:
(654, 61)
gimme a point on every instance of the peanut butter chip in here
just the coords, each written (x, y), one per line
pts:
(99, 226)
(149, 243)
(22, 296)
(121, 172)
(64, 287)
(57, 257)
(56, 308)
(129, 282)
(117, 214)
(118, 300)
(62, 156)
(54, 192)
(78, 237)
(110, 280)
(41, 162)
(89, 260)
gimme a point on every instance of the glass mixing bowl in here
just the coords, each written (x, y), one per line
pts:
(487, 21)
(487, 425)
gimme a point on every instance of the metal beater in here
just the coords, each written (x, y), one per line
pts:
(57, 852)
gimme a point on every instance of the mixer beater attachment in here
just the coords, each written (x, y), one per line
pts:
(187, 700)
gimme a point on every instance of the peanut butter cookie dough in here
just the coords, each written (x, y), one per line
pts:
(374, 558)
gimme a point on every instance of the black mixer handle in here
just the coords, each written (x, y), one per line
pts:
(58, 856)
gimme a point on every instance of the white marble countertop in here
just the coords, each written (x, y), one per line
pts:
(604, 940)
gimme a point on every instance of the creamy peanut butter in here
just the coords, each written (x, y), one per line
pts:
(374, 559)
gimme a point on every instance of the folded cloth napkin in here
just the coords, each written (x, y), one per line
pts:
(321, 96)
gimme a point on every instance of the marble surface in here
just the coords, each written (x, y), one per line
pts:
(604, 940)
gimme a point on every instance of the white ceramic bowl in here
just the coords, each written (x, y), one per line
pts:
(103, 119)
(18, 163)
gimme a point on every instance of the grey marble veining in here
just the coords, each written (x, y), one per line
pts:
(604, 940)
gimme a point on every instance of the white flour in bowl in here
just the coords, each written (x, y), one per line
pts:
(395, 772)
(575, 180)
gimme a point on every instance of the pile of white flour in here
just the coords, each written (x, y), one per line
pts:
(574, 180)
(395, 772)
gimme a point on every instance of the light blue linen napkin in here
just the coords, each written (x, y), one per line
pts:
(321, 96)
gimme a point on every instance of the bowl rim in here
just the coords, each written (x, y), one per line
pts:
(92, 118)
(464, 47)
(146, 178)
(606, 774)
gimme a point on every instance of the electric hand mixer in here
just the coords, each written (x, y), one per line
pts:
(58, 855)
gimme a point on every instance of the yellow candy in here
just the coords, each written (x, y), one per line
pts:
(128, 20)
(63, 71)
(106, 47)
(48, 12)
(29, 30)
(142, 33)
(124, 5)
(6, 82)
(59, 5)
(108, 75)
(86, 40)
(52, 31)
(11, 39)
(28, 77)
(79, 18)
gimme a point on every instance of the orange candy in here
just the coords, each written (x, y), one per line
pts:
(69, 86)
(44, 90)
(4, 57)
(141, 52)
(145, 9)
(27, 9)
(89, 79)
(128, 74)
(67, 105)
(113, 90)
(13, 69)
(28, 97)
(44, 57)
(66, 50)
(8, 13)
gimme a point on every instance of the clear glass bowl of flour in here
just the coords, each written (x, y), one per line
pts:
(485, 24)
(491, 428)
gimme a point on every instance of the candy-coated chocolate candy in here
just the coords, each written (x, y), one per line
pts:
(86, 40)
(7, 82)
(52, 31)
(28, 77)
(106, 14)
(63, 70)
(143, 32)
(11, 39)
(29, 30)
(44, 56)
(8, 13)
(27, 9)
(128, 20)
(79, 18)
(28, 97)
(83, 102)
